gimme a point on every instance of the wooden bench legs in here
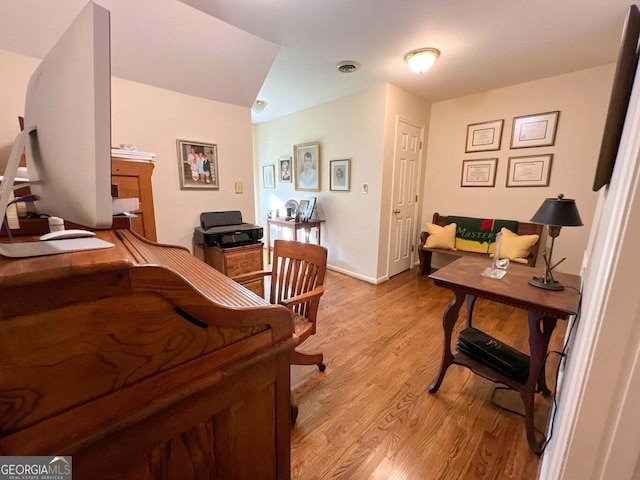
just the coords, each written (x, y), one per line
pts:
(425, 262)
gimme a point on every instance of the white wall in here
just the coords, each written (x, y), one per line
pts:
(359, 127)
(152, 119)
(582, 99)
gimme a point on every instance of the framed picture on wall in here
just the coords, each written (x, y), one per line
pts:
(284, 170)
(340, 175)
(268, 176)
(619, 100)
(535, 130)
(306, 161)
(479, 173)
(484, 137)
(529, 171)
(198, 165)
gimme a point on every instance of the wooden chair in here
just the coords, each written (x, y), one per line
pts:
(297, 277)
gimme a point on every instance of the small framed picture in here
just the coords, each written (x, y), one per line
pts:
(306, 162)
(268, 176)
(302, 209)
(484, 137)
(479, 173)
(340, 175)
(284, 169)
(535, 130)
(529, 171)
(198, 165)
(308, 213)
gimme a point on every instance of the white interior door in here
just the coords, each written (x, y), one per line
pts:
(403, 214)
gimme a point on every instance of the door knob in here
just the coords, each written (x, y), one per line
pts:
(396, 211)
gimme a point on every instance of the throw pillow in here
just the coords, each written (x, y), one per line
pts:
(516, 247)
(441, 237)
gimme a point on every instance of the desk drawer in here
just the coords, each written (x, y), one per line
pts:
(243, 262)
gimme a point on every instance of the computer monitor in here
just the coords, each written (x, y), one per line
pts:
(67, 133)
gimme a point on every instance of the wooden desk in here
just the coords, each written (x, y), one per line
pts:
(280, 222)
(543, 308)
(142, 361)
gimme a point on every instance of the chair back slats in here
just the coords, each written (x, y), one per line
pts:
(297, 269)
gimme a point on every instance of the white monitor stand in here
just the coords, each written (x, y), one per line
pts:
(35, 249)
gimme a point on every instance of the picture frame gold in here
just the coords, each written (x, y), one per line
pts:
(306, 164)
(193, 171)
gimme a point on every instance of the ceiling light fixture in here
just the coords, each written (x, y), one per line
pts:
(347, 66)
(258, 106)
(421, 60)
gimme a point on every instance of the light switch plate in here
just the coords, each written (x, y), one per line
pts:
(239, 187)
(365, 188)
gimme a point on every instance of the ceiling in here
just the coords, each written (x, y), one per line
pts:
(285, 51)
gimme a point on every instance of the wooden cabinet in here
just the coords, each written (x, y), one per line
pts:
(133, 180)
(142, 362)
(235, 261)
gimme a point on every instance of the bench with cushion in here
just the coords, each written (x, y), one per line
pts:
(467, 236)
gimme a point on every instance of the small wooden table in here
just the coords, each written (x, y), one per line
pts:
(544, 308)
(306, 226)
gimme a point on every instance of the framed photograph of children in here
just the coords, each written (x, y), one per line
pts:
(306, 163)
(340, 175)
(198, 165)
(269, 176)
(535, 130)
(484, 137)
(284, 170)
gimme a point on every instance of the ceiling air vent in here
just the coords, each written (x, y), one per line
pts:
(348, 66)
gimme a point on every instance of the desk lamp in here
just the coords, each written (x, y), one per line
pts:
(556, 213)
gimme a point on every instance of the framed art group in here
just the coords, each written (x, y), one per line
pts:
(537, 130)
(304, 170)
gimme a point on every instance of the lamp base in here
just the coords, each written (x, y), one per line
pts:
(547, 285)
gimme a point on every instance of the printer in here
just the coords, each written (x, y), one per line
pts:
(225, 229)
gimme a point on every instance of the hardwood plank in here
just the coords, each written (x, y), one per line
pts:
(370, 416)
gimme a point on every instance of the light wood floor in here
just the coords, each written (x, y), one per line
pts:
(370, 416)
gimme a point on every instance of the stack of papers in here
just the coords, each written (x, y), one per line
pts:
(133, 154)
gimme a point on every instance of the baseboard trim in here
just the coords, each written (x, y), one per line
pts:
(374, 281)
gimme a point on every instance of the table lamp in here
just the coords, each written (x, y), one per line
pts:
(556, 213)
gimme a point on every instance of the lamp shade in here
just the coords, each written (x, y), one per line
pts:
(560, 212)
(421, 60)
